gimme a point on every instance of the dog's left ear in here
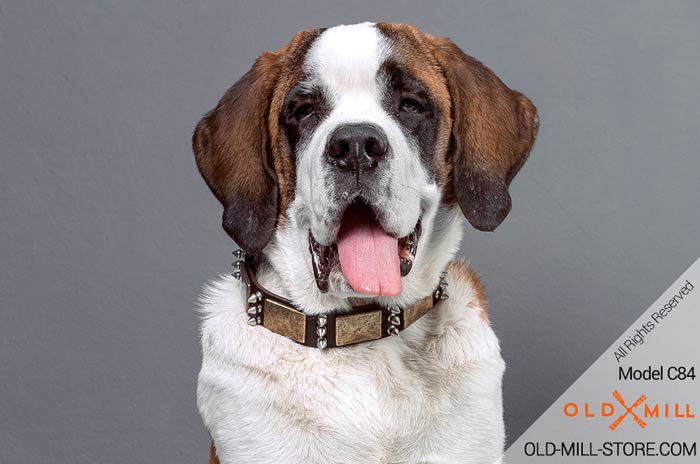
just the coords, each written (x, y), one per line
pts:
(493, 130)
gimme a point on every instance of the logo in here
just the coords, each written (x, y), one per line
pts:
(641, 411)
(628, 410)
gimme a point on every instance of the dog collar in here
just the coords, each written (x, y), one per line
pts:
(360, 324)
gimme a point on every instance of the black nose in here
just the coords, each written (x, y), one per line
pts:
(357, 146)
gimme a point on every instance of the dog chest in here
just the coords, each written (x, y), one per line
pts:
(383, 401)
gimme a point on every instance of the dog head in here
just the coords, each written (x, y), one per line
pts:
(345, 156)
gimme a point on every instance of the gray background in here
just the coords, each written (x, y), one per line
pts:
(107, 232)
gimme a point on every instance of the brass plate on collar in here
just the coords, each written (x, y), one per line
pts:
(358, 327)
(284, 320)
(417, 310)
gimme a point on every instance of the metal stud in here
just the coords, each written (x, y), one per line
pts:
(238, 264)
(444, 296)
(255, 297)
(239, 254)
(237, 275)
(321, 331)
(394, 321)
(252, 310)
(253, 320)
(443, 283)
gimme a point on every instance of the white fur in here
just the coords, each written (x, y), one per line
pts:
(431, 395)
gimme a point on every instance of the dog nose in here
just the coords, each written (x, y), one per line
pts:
(357, 147)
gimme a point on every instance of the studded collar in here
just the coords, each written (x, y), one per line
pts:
(360, 324)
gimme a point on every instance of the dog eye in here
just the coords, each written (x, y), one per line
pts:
(303, 111)
(411, 105)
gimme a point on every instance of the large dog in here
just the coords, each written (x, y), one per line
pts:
(343, 160)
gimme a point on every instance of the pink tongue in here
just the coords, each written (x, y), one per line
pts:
(369, 257)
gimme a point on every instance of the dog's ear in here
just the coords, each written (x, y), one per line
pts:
(493, 130)
(232, 148)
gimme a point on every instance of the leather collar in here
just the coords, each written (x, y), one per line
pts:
(360, 324)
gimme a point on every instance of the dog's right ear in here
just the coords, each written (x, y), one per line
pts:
(232, 149)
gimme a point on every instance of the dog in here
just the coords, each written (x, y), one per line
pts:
(344, 162)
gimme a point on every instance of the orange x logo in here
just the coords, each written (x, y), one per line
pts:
(628, 410)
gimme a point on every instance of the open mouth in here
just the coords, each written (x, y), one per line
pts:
(371, 260)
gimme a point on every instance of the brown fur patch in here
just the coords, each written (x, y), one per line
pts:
(412, 48)
(213, 458)
(462, 272)
(238, 151)
(230, 146)
(493, 131)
